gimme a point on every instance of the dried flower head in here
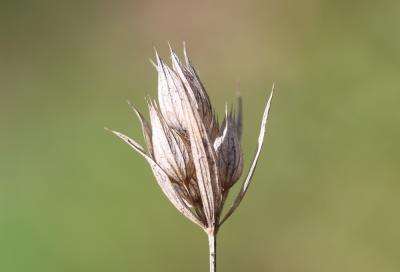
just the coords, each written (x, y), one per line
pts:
(195, 161)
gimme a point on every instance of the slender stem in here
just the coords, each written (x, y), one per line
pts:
(212, 243)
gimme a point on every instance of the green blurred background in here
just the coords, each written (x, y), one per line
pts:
(326, 194)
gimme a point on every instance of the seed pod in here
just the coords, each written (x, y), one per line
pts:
(229, 154)
(169, 149)
(170, 104)
(196, 91)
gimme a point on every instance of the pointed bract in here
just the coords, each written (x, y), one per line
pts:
(146, 129)
(204, 162)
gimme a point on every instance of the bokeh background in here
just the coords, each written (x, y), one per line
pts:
(325, 196)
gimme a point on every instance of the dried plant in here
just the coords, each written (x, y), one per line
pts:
(195, 161)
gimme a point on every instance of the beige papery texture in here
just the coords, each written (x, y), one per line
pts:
(194, 159)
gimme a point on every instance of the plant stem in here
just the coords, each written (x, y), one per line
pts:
(212, 243)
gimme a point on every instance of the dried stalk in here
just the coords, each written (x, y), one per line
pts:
(194, 159)
(212, 245)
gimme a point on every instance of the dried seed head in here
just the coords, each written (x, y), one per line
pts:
(194, 161)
